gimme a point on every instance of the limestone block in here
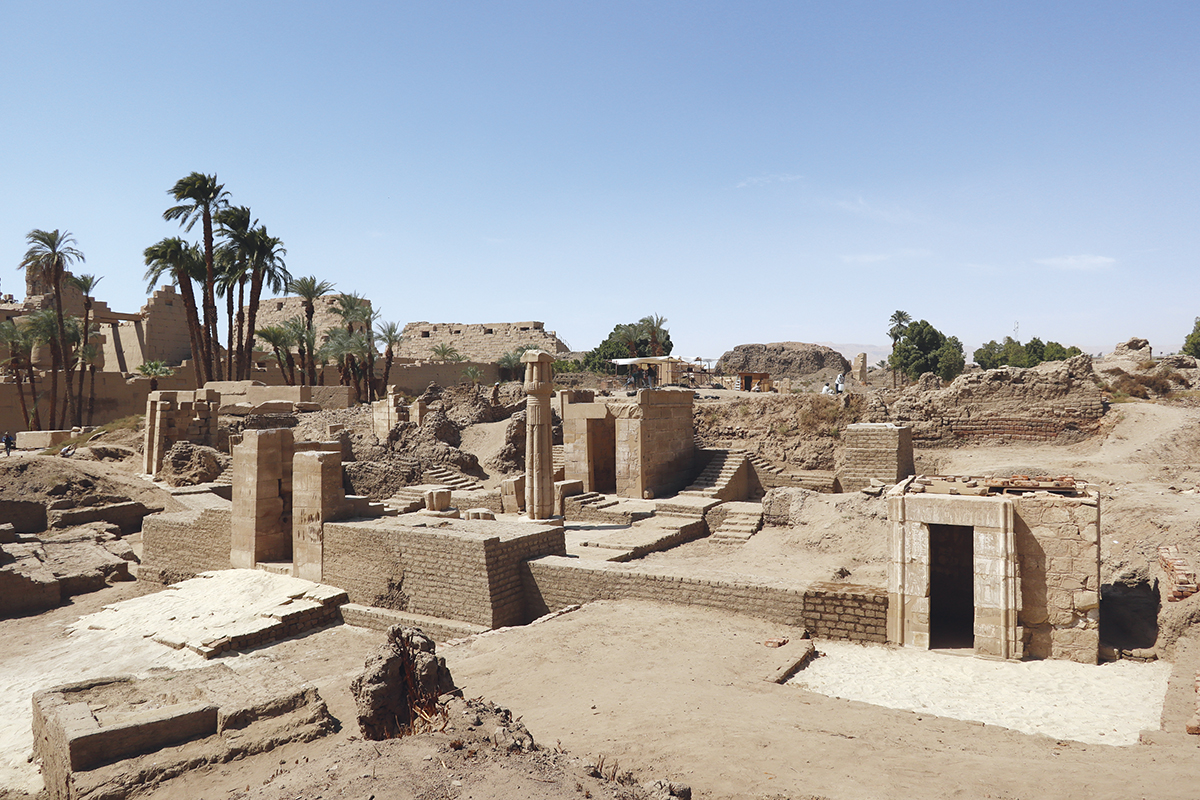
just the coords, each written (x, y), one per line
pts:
(480, 513)
(437, 499)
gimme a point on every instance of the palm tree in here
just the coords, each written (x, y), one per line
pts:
(89, 353)
(509, 364)
(390, 336)
(473, 374)
(49, 254)
(203, 196)
(233, 271)
(346, 349)
(42, 330)
(184, 263)
(355, 312)
(266, 267)
(155, 370)
(445, 352)
(70, 360)
(630, 335)
(86, 284)
(281, 341)
(303, 339)
(654, 327)
(898, 321)
(308, 289)
(18, 345)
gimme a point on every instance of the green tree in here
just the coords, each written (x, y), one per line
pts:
(654, 327)
(199, 197)
(18, 356)
(184, 263)
(308, 289)
(281, 341)
(155, 370)
(267, 267)
(1191, 345)
(445, 352)
(390, 336)
(233, 270)
(629, 340)
(897, 324)
(473, 374)
(988, 356)
(923, 348)
(48, 256)
(86, 284)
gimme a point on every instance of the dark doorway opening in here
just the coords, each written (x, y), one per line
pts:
(1129, 610)
(951, 586)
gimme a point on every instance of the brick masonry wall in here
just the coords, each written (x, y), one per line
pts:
(449, 573)
(176, 547)
(835, 611)
(873, 450)
(668, 447)
(484, 342)
(1037, 404)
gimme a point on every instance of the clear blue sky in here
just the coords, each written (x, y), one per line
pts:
(753, 172)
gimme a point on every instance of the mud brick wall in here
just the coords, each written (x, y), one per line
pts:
(176, 547)
(484, 342)
(453, 573)
(833, 611)
(875, 450)
(1038, 404)
(177, 417)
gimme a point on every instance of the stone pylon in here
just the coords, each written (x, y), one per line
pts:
(539, 454)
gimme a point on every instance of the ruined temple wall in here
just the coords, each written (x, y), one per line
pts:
(1043, 403)
(116, 397)
(482, 342)
(879, 451)
(450, 573)
(834, 611)
(278, 310)
(179, 546)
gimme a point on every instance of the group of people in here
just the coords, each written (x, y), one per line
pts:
(839, 385)
(639, 377)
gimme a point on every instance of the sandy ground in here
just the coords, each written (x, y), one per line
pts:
(681, 690)
(1110, 704)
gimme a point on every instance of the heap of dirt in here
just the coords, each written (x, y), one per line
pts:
(71, 483)
(802, 431)
(401, 681)
(187, 464)
(782, 359)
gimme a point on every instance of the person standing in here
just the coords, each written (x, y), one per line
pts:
(9, 444)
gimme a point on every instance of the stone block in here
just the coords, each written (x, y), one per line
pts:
(437, 499)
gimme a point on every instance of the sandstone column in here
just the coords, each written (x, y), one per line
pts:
(539, 454)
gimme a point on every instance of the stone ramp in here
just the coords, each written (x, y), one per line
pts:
(595, 507)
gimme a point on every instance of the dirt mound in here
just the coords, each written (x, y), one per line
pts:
(187, 464)
(70, 483)
(798, 430)
(380, 480)
(782, 359)
(400, 682)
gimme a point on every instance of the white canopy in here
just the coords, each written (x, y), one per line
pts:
(625, 362)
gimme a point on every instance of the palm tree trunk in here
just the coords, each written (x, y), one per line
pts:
(37, 419)
(87, 309)
(194, 332)
(210, 303)
(229, 327)
(291, 369)
(256, 282)
(21, 394)
(92, 394)
(388, 355)
(62, 344)
(244, 355)
(55, 361)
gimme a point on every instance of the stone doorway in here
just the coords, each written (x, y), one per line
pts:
(951, 586)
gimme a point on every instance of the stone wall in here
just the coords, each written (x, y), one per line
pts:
(469, 570)
(177, 417)
(484, 342)
(834, 611)
(179, 546)
(1036, 570)
(1052, 400)
(875, 450)
(278, 310)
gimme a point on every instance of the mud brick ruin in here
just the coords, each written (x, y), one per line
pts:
(876, 451)
(484, 342)
(1011, 572)
(178, 417)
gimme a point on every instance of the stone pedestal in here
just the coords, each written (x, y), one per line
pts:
(539, 454)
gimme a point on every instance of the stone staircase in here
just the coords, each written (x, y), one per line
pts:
(409, 498)
(451, 479)
(560, 462)
(742, 520)
(226, 476)
(714, 480)
(593, 501)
